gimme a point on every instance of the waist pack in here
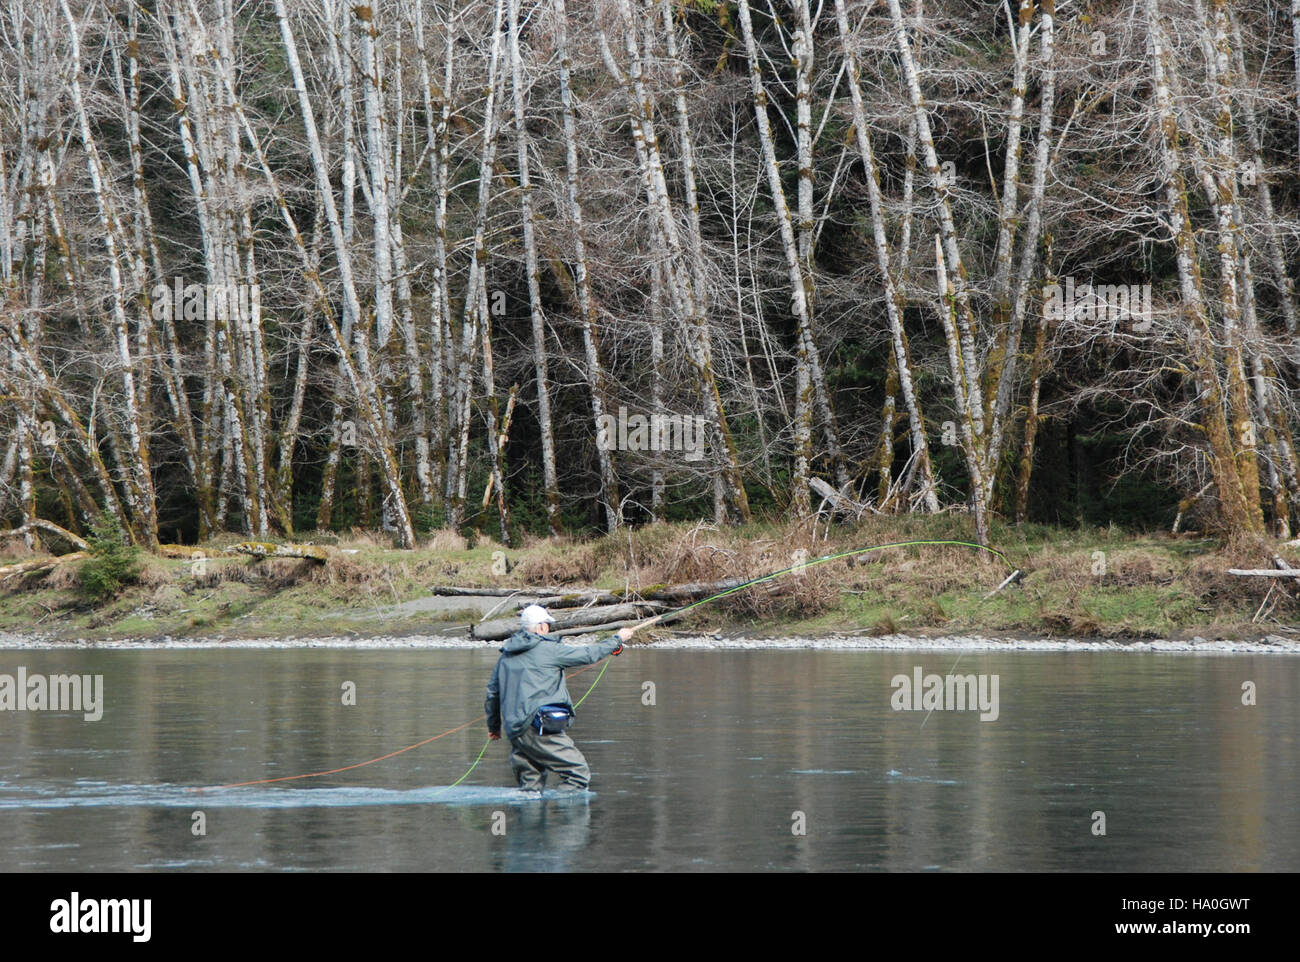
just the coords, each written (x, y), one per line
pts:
(552, 719)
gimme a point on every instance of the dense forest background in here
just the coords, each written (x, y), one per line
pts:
(288, 265)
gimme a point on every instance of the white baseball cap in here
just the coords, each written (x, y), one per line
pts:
(534, 615)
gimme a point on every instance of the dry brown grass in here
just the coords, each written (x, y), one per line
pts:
(62, 577)
(929, 574)
(802, 595)
(1123, 567)
(705, 554)
(13, 549)
(286, 572)
(444, 539)
(1207, 576)
(366, 538)
(1072, 622)
(1141, 568)
(532, 541)
(558, 569)
(431, 570)
(344, 570)
(153, 574)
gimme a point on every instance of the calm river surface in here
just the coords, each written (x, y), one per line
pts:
(745, 760)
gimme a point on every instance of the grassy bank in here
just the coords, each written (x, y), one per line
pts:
(1079, 583)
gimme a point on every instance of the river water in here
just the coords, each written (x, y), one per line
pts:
(702, 760)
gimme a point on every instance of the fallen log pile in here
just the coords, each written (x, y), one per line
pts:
(575, 621)
(584, 611)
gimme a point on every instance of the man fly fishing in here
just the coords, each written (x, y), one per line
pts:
(527, 689)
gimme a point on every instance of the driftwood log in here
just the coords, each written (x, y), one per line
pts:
(582, 620)
(699, 589)
(580, 599)
(665, 619)
(39, 564)
(457, 591)
(265, 549)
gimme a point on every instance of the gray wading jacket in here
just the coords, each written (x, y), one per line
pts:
(530, 674)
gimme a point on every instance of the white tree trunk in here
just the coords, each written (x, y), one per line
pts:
(586, 308)
(550, 479)
(893, 297)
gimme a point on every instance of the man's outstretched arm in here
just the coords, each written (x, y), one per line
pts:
(570, 656)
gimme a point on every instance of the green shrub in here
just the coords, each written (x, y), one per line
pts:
(113, 563)
(427, 517)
